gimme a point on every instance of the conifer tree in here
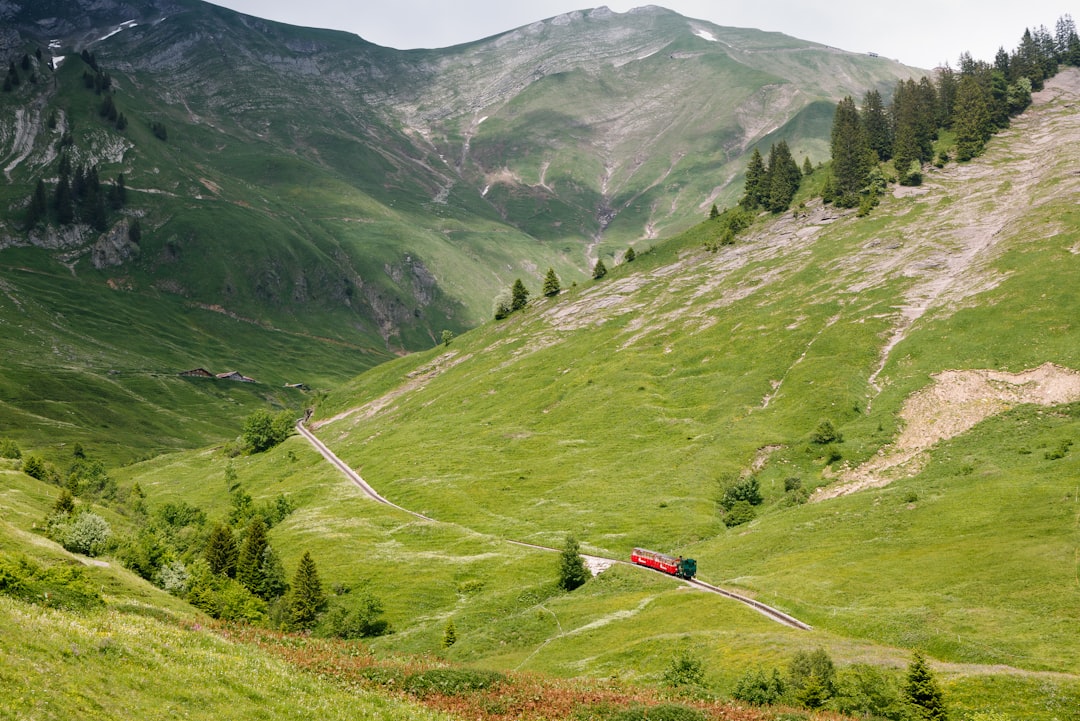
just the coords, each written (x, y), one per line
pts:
(850, 153)
(971, 119)
(783, 177)
(272, 572)
(923, 693)
(629, 255)
(551, 283)
(306, 599)
(249, 560)
(572, 571)
(449, 634)
(807, 166)
(599, 270)
(519, 295)
(221, 552)
(62, 201)
(753, 195)
(876, 125)
(946, 92)
(39, 206)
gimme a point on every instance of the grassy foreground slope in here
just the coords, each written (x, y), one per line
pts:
(619, 409)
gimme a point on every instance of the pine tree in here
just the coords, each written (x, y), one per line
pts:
(273, 583)
(449, 637)
(62, 201)
(807, 166)
(754, 191)
(306, 600)
(39, 206)
(714, 213)
(135, 231)
(923, 693)
(971, 119)
(551, 283)
(519, 295)
(221, 551)
(629, 255)
(850, 153)
(572, 571)
(946, 92)
(783, 177)
(249, 561)
(876, 125)
(599, 270)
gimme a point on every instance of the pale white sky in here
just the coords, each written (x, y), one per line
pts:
(922, 33)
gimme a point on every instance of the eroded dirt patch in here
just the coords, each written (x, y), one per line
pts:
(954, 403)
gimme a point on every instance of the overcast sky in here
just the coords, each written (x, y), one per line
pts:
(922, 33)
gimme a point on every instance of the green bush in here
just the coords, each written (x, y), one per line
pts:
(263, 430)
(451, 681)
(741, 512)
(34, 466)
(663, 712)
(867, 692)
(684, 670)
(811, 678)
(364, 620)
(60, 586)
(758, 688)
(10, 449)
(744, 489)
(825, 433)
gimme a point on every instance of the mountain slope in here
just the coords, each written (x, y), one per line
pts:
(623, 409)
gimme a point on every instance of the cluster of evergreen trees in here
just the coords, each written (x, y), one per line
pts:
(973, 102)
(771, 185)
(79, 197)
(13, 80)
(517, 297)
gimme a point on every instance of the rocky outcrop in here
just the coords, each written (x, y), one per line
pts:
(113, 248)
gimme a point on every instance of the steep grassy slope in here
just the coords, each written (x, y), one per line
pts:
(618, 410)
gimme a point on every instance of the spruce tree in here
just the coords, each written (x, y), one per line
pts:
(62, 201)
(272, 575)
(39, 206)
(946, 92)
(923, 693)
(783, 178)
(551, 283)
(449, 634)
(971, 119)
(753, 194)
(629, 255)
(850, 153)
(519, 295)
(599, 270)
(807, 166)
(572, 570)
(249, 561)
(876, 125)
(221, 552)
(306, 600)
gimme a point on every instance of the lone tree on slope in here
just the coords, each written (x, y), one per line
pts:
(572, 571)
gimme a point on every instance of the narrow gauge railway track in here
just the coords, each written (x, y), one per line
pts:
(766, 610)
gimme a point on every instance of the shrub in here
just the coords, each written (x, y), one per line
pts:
(1059, 452)
(263, 430)
(826, 433)
(684, 670)
(362, 621)
(758, 688)
(741, 512)
(792, 484)
(663, 712)
(61, 586)
(34, 466)
(865, 691)
(87, 534)
(451, 681)
(572, 570)
(449, 637)
(10, 449)
(812, 678)
(744, 489)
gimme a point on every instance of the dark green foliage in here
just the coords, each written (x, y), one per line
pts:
(363, 620)
(65, 503)
(449, 637)
(599, 270)
(876, 125)
(61, 586)
(451, 681)
(250, 557)
(807, 167)
(118, 193)
(728, 225)
(922, 692)
(740, 512)
(519, 295)
(572, 570)
(629, 255)
(850, 153)
(135, 231)
(121, 122)
(159, 130)
(306, 597)
(63, 202)
(946, 93)
(685, 669)
(783, 178)
(551, 283)
(811, 678)
(865, 691)
(743, 489)
(263, 430)
(754, 194)
(34, 466)
(825, 433)
(1059, 452)
(272, 576)
(758, 688)
(108, 109)
(713, 212)
(38, 209)
(447, 336)
(971, 119)
(221, 553)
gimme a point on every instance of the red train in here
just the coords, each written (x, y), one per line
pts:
(681, 567)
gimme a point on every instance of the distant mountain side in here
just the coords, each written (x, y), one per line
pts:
(396, 191)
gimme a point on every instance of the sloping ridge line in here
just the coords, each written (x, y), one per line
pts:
(768, 611)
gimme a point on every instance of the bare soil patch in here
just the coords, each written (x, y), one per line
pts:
(954, 403)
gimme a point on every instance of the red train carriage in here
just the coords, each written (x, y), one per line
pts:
(681, 567)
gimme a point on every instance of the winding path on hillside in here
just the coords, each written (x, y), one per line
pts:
(594, 562)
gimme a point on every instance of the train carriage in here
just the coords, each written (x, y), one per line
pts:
(676, 566)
